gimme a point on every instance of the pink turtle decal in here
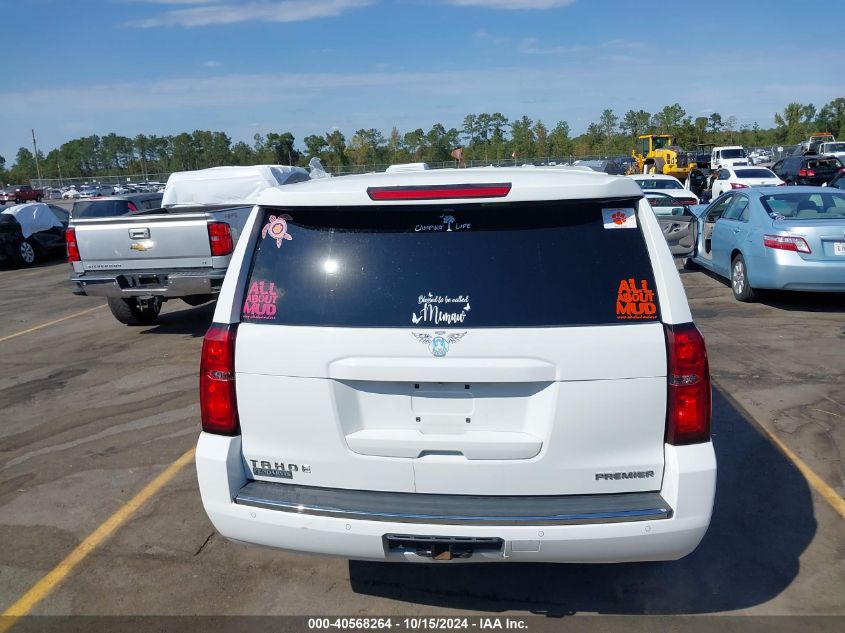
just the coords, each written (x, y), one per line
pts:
(277, 228)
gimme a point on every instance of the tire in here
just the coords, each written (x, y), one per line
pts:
(18, 200)
(25, 254)
(689, 264)
(129, 312)
(739, 281)
(38, 198)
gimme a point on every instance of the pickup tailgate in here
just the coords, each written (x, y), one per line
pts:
(144, 242)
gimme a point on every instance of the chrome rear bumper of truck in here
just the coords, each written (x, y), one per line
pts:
(168, 284)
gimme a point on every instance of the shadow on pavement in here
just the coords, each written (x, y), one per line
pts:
(187, 320)
(785, 299)
(762, 522)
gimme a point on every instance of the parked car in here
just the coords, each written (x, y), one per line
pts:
(667, 184)
(113, 206)
(774, 238)
(29, 232)
(20, 194)
(465, 408)
(71, 194)
(606, 166)
(730, 178)
(807, 170)
(838, 181)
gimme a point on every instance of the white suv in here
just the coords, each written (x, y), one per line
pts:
(497, 365)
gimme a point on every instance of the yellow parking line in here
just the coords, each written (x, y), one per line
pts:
(817, 483)
(40, 590)
(49, 323)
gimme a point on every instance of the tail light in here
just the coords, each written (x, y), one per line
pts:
(218, 404)
(787, 243)
(689, 399)
(72, 246)
(738, 185)
(220, 238)
(806, 173)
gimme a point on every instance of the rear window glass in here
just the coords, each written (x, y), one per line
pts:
(659, 183)
(754, 173)
(827, 163)
(806, 206)
(733, 153)
(458, 266)
(99, 208)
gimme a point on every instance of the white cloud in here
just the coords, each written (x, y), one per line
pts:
(512, 4)
(212, 63)
(259, 11)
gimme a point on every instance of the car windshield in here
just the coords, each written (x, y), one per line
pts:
(754, 173)
(733, 153)
(659, 183)
(828, 205)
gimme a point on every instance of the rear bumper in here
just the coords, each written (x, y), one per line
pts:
(668, 532)
(785, 270)
(168, 284)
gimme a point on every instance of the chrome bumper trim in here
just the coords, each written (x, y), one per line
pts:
(454, 509)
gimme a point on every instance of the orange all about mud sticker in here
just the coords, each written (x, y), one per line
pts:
(260, 302)
(619, 218)
(634, 300)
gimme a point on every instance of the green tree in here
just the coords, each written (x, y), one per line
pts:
(635, 123)
(561, 144)
(524, 141)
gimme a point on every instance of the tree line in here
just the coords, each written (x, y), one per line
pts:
(482, 137)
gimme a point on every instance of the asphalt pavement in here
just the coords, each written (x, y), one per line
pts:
(93, 410)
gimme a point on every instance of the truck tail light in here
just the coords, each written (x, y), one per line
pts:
(786, 243)
(806, 173)
(72, 246)
(738, 185)
(440, 192)
(689, 401)
(218, 404)
(220, 238)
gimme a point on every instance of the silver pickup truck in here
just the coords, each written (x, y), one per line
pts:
(140, 260)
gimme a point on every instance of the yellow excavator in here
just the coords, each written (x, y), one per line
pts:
(658, 154)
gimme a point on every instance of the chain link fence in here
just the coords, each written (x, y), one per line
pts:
(775, 151)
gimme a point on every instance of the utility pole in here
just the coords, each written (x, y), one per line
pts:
(37, 167)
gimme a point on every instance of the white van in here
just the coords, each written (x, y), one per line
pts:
(467, 364)
(728, 156)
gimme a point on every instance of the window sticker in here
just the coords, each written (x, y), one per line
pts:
(448, 224)
(635, 301)
(619, 218)
(439, 342)
(436, 309)
(277, 228)
(260, 302)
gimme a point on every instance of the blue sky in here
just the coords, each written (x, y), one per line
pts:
(166, 66)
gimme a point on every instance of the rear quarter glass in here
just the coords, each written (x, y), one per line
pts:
(539, 264)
